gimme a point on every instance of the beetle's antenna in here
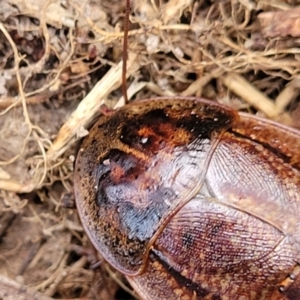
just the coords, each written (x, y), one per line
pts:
(125, 54)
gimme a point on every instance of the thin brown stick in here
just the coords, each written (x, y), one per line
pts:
(125, 44)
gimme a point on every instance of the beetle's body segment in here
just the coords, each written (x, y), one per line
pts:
(192, 201)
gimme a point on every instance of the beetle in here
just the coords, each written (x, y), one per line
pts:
(192, 200)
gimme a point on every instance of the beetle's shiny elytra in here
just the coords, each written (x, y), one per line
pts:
(192, 200)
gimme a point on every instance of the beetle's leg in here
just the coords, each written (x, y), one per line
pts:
(290, 279)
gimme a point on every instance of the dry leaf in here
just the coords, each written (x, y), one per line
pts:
(280, 23)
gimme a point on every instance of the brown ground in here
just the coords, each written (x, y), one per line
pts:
(243, 53)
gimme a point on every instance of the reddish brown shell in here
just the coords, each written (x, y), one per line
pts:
(191, 201)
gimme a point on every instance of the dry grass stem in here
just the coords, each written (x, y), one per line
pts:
(89, 106)
(11, 290)
(241, 87)
(289, 93)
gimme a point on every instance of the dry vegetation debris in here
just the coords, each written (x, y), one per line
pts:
(60, 66)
